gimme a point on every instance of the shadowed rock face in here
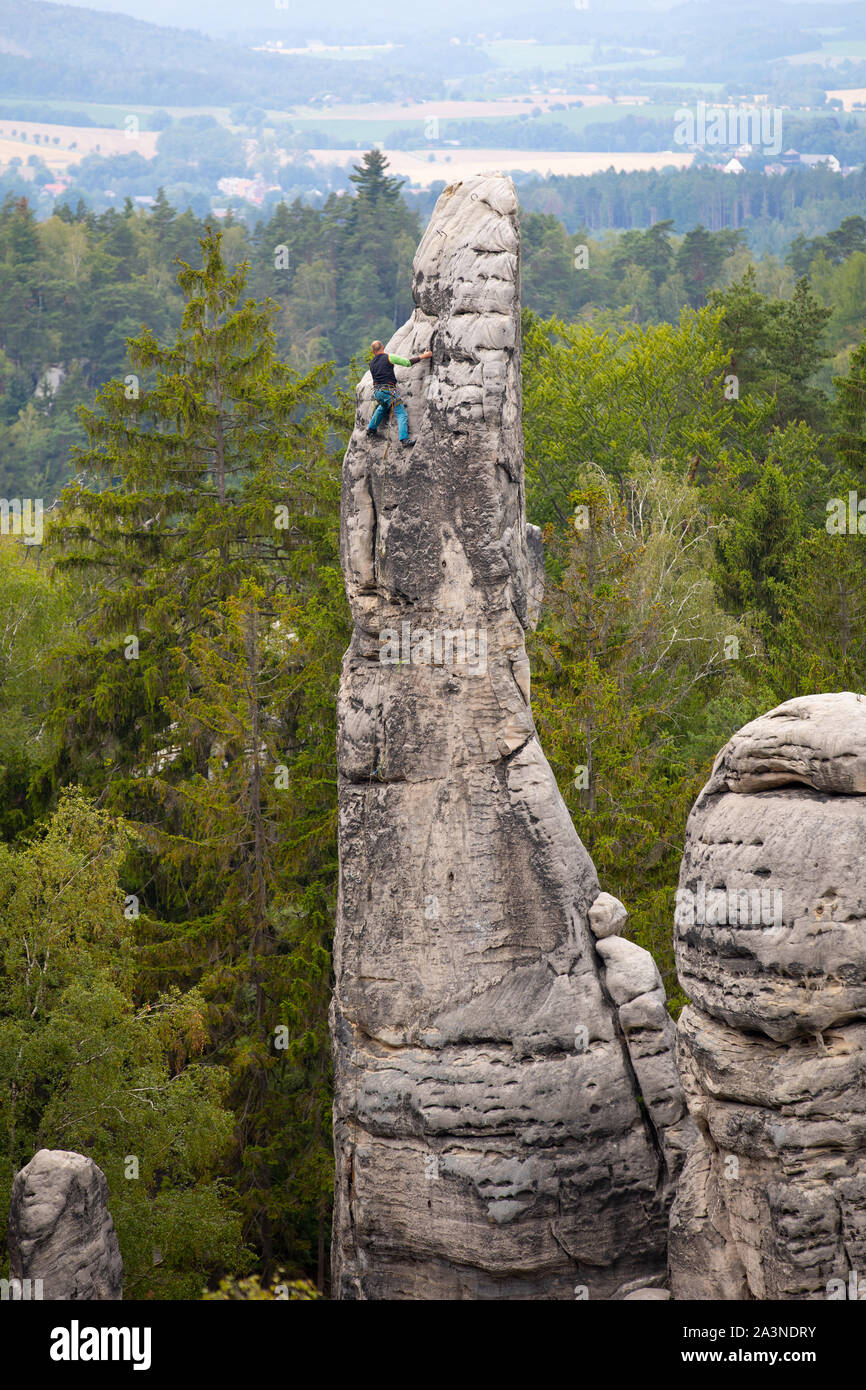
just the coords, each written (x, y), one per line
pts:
(772, 1203)
(489, 1138)
(60, 1230)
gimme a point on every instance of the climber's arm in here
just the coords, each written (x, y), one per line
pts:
(407, 361)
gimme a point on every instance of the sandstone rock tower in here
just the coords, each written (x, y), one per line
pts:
(60, 1230)
(771, 949)
(490, 1137)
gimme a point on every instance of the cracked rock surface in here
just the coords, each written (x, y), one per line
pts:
(772, 1048)
(60, 1229)
(508, 1120)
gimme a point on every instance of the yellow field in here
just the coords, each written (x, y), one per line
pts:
(462, 164)
(849, 97)
(448, 164)
(87, 139)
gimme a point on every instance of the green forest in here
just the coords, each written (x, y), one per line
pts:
(181, 396)
(76, 286)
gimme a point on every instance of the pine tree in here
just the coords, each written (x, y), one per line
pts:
(161, 213)
(756, 544)
(850, 438)
(260, 822)
(375, 237)
(699, 259)
(371, 181)
(208, 659)
(818, 641)
(776, 346)
(19, 279)
(195, 465)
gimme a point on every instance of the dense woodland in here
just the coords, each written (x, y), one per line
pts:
(195, 151)
(771, 210)
(77, 285)
(169, 655)
(839, 135)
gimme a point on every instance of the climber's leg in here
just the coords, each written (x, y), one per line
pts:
(381, 411)
(402, 420)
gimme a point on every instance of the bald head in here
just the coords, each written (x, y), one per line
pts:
(377, 347)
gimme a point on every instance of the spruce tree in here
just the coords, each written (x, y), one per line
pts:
(850, 438)
(819, 639)
(755, 546)
(197, 697)
(371, 181)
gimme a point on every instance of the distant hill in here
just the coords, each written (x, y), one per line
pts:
(344, 21)
(65, 52)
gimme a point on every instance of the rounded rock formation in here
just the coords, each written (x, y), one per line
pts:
(60, 1230)
(770, 940)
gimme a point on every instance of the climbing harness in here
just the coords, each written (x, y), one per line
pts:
(392, 391)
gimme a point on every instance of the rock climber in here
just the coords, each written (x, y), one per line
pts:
(385, 389)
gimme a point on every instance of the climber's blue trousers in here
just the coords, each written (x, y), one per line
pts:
(385, 400)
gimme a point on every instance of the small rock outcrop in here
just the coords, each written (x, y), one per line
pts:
(771, 948)
(60, 1230)
(507, 1115)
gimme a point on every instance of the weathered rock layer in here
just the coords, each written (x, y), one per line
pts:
(60, 1230)
(507, 1114)
(771, 949)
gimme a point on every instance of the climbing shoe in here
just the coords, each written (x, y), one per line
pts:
(408, 443)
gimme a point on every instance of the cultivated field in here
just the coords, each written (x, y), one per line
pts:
(453, 110)
(849, 97)
(86, 139)
(425, 167)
